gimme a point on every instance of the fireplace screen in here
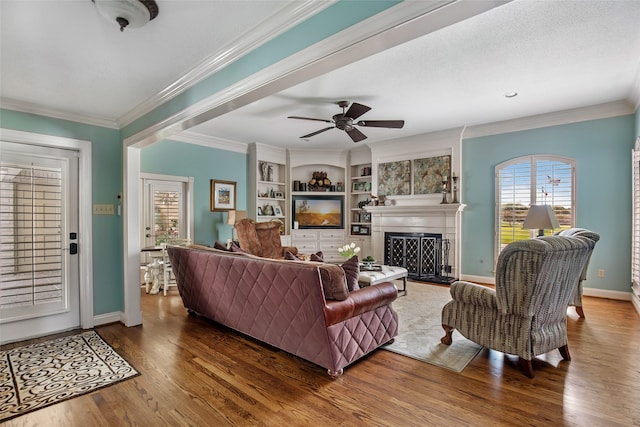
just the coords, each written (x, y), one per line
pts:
(421, 254)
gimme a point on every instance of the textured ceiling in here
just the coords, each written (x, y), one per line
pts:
(62, 56)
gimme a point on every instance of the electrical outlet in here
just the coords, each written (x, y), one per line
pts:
(103, 209)
(601, 273)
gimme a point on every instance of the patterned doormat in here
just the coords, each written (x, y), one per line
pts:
(39, 375)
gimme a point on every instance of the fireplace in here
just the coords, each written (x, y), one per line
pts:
(424, 255)
(427, 239)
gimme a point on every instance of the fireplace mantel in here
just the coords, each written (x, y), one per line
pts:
(442, 219)
(398, 209)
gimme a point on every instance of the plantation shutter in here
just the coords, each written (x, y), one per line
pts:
(554, 179)
(635, 244)
(167, 215)
(514, 195)
(31, 222)
(532, 180)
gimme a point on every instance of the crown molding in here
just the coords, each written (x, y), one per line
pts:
(29, 108)
(211, 142)
(389, 28)
(594, 112)
(287, 18)
(634, 93)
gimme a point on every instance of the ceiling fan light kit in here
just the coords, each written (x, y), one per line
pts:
(346, 121)
(128, 13)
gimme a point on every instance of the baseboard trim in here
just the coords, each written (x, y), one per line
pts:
(589, 292)
(490, 280)
(635, 300)
(103, 319)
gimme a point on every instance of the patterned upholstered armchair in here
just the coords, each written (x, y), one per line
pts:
(526, 314)
(262, 238)
(577, 299)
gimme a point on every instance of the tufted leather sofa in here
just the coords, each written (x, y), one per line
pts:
(300, 307)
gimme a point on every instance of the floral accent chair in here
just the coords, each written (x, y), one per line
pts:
(577, 299)
(526, 314)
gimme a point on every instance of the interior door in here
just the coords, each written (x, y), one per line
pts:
(163, 212)
(39, 271)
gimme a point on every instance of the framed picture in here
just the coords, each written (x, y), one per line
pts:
(364, 229)
(278, 195)
(259, 211)
(277, 211)
(358, 186)
(223, 195)
(355, 229)
(366, 216)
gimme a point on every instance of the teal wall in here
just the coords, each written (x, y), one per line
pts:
(106, 154)
(203, 164)
(602, 150)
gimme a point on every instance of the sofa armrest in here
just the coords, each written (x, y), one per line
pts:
(360, 301)
(472, 293)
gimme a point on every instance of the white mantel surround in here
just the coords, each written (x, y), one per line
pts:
(442, 219)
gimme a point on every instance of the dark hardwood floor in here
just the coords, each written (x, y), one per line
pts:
(197, 373)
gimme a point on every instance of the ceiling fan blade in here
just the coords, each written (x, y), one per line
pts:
(397, 124)
(356, 135)
(356, 110)
(309, 118)
(317, 132)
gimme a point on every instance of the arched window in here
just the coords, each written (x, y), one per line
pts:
(532, 180)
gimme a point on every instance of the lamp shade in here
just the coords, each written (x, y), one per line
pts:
(231, 217)
(540, 217)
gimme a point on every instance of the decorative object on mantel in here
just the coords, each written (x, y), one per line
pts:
(394, 178)
(127, 13)
(428, 173)
(454, 178)
(445, 180)
(319, 181)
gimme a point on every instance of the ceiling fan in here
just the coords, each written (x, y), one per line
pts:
(346, 121)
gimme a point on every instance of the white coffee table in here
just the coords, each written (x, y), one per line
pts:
(383, 273)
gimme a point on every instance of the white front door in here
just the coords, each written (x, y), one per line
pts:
(39, 271)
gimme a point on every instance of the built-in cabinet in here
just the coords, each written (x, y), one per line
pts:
(312, 241)
(268, 184)
(360, 190)
(303, 166)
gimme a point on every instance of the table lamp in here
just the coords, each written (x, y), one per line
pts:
(540, 217)
(233, 217)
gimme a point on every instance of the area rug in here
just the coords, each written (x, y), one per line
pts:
(39, 375)
(420, 329)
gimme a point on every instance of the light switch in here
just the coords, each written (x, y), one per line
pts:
(103, 209)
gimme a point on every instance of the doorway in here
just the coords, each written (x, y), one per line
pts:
(39, 270)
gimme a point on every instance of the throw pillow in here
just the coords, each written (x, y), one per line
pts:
(317, 257)
(288, 255)
(352, 271)
(220, 246)
(334, 284)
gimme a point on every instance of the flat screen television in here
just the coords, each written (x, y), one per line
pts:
(313, 211)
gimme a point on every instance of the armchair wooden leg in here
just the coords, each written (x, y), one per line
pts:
(579, 311)
(447, 339)
(564, 352)
(527, 367)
